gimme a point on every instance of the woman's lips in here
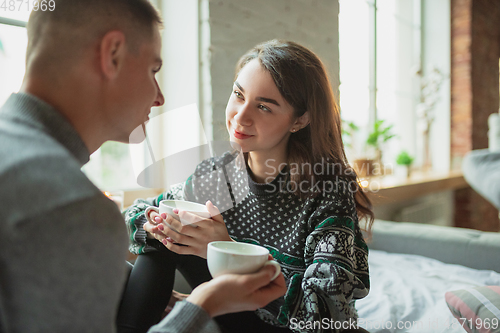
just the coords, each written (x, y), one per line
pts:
(241, 136)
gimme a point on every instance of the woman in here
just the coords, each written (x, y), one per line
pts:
(302, 202)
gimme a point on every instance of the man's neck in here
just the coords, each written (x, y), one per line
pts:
(79, 113)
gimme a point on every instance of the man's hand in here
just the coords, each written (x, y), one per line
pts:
(230, 293)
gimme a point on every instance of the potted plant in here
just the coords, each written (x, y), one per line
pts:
(363, 165)
(349, 129)
(406, 160)
(378, 136)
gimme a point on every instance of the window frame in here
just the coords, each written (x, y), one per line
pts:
(12, 22)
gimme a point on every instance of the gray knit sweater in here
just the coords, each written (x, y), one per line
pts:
(186, 317)
(62, 244)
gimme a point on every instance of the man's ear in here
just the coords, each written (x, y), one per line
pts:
(112, 53)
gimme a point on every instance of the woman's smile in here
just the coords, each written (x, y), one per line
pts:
(241, 136)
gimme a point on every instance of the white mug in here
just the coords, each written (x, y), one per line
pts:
(168, 206)
(241, 258)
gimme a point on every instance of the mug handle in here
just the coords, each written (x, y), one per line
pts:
(276, 265)
(148, 210)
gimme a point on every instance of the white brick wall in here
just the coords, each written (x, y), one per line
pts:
(235, 26)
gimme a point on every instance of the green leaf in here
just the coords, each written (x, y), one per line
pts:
(387, 129)
(404, 158)
(372, 139)
(379, 134)
(386, 138)
(352, 126)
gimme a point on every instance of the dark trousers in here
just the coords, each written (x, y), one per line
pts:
(149, 288)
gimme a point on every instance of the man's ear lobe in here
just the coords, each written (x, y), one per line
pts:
(112, 53)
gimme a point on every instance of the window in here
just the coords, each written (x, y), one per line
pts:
(389, 50)
(110, 166)
(13, 42)
(115, 166)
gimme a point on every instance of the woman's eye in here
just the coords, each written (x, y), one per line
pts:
(264, 108)
(238, 94)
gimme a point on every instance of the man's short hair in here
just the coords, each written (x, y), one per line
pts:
(74, 25)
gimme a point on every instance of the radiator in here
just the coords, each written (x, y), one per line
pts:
(434, 209)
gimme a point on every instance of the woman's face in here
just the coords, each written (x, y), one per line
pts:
(257, 117)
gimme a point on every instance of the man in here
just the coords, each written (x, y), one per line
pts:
(90, 78)
(481, 169)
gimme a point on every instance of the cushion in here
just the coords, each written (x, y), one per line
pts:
(476, 309)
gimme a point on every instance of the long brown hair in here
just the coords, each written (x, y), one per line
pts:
(302, 80)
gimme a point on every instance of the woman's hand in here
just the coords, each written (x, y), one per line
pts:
(155, 230)
(194, 238)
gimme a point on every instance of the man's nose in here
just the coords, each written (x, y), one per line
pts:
(160, 99)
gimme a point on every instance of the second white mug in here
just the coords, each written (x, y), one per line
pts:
(225, 257)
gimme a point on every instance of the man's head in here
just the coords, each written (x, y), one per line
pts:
(98, 56)
(74, 25)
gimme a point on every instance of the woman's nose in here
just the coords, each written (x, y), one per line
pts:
(243, 116)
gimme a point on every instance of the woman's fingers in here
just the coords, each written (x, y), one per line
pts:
(181, 236)
(154, 216)
(148, 227)
(189, 218)
(194, 233)
(214, 212)
(154, 231)
(184, 244)
(178, 247)
(157, 219)
(171, 222)
(166, 232)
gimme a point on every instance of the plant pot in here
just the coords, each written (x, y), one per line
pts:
(364, 167)
(408, 171)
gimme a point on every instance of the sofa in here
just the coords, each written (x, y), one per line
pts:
(427, 278)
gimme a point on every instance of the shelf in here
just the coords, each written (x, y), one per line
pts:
(392, 189)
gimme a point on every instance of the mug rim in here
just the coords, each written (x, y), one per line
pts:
(200, 209)
(213, 246)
